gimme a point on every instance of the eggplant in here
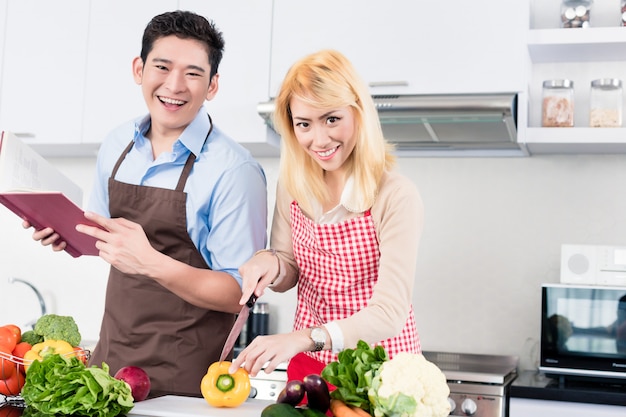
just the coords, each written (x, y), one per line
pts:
(318, 395)
(292, 394)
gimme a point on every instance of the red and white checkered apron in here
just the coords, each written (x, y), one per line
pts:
(338, 270)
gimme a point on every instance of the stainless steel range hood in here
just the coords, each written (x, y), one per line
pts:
(445, 124)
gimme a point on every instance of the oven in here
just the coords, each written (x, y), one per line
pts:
(268, 386)
(479, 384)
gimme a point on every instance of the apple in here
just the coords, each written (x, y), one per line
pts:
(138, 380)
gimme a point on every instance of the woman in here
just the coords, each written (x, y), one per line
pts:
(346, 227)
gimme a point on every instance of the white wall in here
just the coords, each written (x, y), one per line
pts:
(492, 235)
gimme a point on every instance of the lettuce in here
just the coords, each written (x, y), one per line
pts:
(353, 372)
(58, 385)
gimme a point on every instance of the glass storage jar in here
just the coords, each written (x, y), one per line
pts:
(576, 13)
(605, 103)
(557, 109)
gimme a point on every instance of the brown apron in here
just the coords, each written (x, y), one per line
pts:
(144, 324)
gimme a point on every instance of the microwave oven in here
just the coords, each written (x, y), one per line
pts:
(583, 331)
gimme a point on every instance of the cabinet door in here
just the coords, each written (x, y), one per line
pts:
(244, 70)
(43, 75)
(421, 47)
(115, 31)
(522, 407)
(3, 22)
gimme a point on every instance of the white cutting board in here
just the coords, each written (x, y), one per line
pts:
(175, 406)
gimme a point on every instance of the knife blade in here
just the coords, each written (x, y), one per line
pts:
(237, 327)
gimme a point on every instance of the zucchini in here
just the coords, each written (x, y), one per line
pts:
(280, 410)
(311, 412)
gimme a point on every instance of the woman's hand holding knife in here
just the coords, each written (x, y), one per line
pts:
(258, 273)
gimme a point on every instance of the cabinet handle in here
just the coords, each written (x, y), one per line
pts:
(389, 84)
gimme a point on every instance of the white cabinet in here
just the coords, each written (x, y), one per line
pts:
(115, 31)
(43, 75)
(580, 55)
(409, 47)
(244, 71)
(67, 78)
(3, 22)
(522, 407)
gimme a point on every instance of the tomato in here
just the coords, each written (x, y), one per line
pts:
(16, 330)
(10, 411)
(19, 351)
(12, 385)
(21, 348)
(81, 354)
(8, 338)
(7, 367)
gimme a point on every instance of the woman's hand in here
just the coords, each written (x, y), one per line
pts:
(257, 273)
(47, 237)
(270, 351)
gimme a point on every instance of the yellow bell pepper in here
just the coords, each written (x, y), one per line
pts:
(48, 347)
(221, 389)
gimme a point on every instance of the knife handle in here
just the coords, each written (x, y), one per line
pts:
(251, 301)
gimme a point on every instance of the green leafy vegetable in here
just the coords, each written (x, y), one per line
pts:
(58, 385)
(353, 372)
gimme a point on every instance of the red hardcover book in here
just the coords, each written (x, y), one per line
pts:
(53, 209)
(38, 192)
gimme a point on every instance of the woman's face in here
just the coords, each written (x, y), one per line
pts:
(328, 135)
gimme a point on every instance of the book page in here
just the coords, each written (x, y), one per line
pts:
(23, 169)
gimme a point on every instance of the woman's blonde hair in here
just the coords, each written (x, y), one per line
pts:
(327, 80)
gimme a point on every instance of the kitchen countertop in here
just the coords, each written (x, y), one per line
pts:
(535, 385)
(177, 406)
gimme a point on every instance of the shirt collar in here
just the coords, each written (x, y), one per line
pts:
(344, 205)
(347, 195)
(192, 138)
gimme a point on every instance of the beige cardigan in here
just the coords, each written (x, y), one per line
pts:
(398, 215)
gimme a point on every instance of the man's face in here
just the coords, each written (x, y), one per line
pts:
(175, 81)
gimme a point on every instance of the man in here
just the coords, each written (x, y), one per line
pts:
(181, 206)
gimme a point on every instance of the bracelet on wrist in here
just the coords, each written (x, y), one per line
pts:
(273, 252)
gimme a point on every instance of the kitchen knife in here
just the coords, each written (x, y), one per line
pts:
(236, 330)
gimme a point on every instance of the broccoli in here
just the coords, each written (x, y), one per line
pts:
(31, 337)
(55, 327)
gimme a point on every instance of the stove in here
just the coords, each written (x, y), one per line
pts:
(479, 384)
(268, 386)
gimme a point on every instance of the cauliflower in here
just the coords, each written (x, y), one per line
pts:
(54, 327)
(409, 386)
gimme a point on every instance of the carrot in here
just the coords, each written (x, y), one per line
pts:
(360, 412)
(341, 409)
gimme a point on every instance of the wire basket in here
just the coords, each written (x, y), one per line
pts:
(13, 375)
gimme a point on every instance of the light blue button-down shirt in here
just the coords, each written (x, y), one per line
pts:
(226, 190)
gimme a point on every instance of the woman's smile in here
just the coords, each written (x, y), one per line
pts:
(327, 154)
